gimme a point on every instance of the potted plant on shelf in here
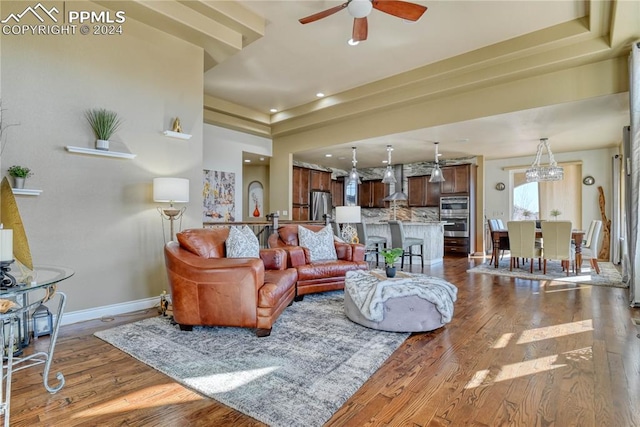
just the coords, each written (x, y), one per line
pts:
(104, 124)
(390, 258)
(19, 174)
(555, 213)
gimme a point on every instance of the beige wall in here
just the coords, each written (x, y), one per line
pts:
(96, 215)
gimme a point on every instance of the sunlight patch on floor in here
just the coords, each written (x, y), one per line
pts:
(514, 370)
(555, 331)
(149, 397)
(503, 340)
(227, 381)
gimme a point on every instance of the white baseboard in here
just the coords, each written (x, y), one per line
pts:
(108, 310)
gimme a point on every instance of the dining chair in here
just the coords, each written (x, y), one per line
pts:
(398, 240)
(557, 244)
(371, 243)
(496, 224)
(591, 245)
(522, 240)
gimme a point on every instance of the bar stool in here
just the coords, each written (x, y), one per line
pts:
(398, 240)
(371, 243)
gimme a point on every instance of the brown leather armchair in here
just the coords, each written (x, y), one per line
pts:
(319, 276)
(211, 290)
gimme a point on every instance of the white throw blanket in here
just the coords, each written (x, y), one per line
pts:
(369, 292)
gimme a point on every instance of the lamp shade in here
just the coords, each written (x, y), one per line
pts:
(173, 190)
(348, 214)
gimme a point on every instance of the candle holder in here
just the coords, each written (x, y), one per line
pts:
(6, 279)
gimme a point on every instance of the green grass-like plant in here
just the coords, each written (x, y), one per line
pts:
(555, 213)
(103, 122)
(391, 255)
(17, 171)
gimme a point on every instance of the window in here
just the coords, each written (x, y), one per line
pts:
(536, 200)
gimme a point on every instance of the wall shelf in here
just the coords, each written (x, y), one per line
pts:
(178, 135)
(26, 191)
(103, 153)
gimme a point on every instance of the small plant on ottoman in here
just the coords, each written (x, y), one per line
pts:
(390, 258)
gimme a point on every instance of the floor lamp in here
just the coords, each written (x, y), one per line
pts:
(348, 215)
(171, 190)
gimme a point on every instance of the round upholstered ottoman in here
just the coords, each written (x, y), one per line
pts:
(408, 303)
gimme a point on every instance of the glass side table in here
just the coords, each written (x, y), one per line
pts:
(30, 295)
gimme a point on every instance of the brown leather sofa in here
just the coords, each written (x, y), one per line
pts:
(319, 276)
(211, 290)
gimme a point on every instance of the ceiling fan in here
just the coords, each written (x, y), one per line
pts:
(360, 9)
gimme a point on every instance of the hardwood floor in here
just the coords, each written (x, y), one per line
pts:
(518, 352)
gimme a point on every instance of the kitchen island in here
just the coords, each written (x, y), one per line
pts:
(432, 232)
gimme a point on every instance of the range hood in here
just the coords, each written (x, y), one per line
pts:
(399, 194)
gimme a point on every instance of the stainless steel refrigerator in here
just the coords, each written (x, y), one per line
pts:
(320, 205)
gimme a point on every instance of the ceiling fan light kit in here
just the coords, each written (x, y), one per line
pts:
(360, 9)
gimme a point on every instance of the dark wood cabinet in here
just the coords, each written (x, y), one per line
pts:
(422, 192)
(457, 245)
(337, 192)
(320, 180)
(457, 179)
(300, 186)
(300, 213)
(372, 193)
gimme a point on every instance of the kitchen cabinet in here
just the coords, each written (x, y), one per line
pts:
(300, 213)
(457, 179)
(320, 180)
(371, 194)
(422, 192)
(300, 186)
(457, 245)
(337, 192)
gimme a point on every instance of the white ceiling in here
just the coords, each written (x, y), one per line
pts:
(292, 62)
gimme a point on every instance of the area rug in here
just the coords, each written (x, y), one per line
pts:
(609, 274)
(314, 360)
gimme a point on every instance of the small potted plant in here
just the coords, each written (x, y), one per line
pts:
(390, 258)
(19, 174)
(555, 213)
(104, 124)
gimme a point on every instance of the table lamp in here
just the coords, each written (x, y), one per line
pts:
(171, 190)
(348, 215)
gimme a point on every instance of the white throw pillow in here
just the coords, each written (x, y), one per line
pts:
(320, 244)
(242, 243)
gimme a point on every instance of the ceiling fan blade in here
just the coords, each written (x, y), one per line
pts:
(360, 29)
(401, 9)
(323, 14)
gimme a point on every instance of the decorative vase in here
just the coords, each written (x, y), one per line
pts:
(391, 271)
(102, 144)
(256, 211)
(18, 182)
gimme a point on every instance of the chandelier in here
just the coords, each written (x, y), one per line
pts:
(538, 172)
(389, 176)
(354, 177)
(436, 173)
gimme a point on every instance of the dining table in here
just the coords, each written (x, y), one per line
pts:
(576, 235)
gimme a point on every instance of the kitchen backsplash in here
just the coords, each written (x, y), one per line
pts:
(403, 213)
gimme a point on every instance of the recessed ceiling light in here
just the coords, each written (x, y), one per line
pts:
(247, 160)
(385, 161)
(320, 95)
(328, 155)
(274, 110)
(262, 159)
(353, 43)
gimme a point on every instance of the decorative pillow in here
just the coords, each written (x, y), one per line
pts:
(242, 243)
(320, 244)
